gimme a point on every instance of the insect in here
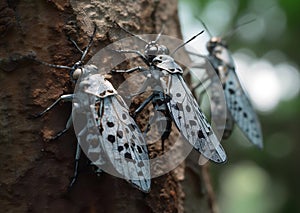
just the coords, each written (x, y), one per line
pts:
(109, 135)
(239, 107)
(174, 99)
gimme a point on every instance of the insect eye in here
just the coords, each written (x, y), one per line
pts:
(164, 50)
(76, 74)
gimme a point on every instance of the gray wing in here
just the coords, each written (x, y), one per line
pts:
(223, 120)
(191, 122)
(114, 142)
(84, 121)
(123, 142)
(241, 109)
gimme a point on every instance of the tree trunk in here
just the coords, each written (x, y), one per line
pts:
(34, 173)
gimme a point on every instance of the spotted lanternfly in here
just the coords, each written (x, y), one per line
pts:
(174, 99)
(113, 133)
(110, 136)
(240, 110)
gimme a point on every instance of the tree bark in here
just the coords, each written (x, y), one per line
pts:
(34, 173)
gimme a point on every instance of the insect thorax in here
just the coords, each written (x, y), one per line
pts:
(167, 63)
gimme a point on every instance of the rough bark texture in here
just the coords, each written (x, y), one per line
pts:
(34, 173)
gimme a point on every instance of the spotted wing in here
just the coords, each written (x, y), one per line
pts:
(191, 122)
(223, 120)
(241, 109)
(123, 141)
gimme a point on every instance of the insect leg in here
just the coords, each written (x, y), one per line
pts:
(129, 70)
(164, 124)
(78, 153)
(68, 125)
(142, 89)
(67, 98)
(167, 131)
(142, 106)
(77, 157)
(151, 121)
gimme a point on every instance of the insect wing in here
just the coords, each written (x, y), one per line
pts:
(241, 109)
(219, 110)
(123, 142)
(191, 122)
(83, 118)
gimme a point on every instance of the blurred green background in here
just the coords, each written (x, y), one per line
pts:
(267, 56)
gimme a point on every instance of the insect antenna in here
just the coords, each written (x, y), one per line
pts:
(52, 65)
(82, 52)
(90, 43)
(75, 44)
(181, 45)
(236, 28)
(130, 33)
(159, 34)
(204, 25)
